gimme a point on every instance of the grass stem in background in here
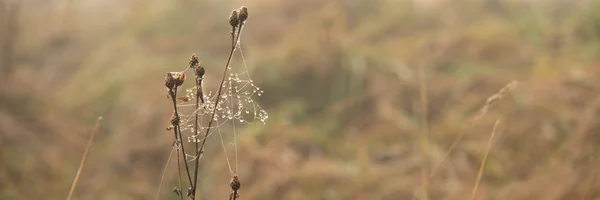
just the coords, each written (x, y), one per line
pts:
(85, 154)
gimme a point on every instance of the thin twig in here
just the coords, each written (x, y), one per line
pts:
(450, 149)
(164, 172)
(218, 95)
(198, 87)
(492, 100)
(85, 154)
(178, 137)
(179, 172)
(484, 161)
(233, 196)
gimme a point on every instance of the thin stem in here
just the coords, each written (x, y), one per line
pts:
(200, 95)
(234, 134)
(177, 131)
(164, 172)
(484, 161)
(179, 170)
(234, 195)
(450, 149)
(85, 154)
(219, 94)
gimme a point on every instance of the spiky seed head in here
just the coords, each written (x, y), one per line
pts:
(234, 19)
(170, 81)
(243, 16)
(235, 183)
(194, 61)
(179, 78)
(199, 71)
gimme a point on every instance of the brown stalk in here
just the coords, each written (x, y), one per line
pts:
(484, 161)
(199, 74)
(231, 52)
(491, 101)
(177, 132)
(85, 154)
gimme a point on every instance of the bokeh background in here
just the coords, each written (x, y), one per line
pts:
(364, 97)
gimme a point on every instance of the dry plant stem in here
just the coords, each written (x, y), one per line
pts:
(484, 161)
(489, 103)
(85, 154)
(450, 149)
(179, 173)
(178, 139)
(234, 195)
(199, 96)
(237, 38)
(196, 142)
(162, 178)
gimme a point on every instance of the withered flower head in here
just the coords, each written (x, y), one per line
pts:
(179, 78)
(233, 19)
(235, 183)
(194, 61)
(243, 16)
(199, 71)
(170, 81)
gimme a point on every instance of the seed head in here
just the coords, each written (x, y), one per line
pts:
(199, 71)
(234, 19)
(243, 16)
(235, 183)
(194, 61)
(170, 81)
(179, 78)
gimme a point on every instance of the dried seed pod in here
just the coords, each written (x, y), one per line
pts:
(235, 183)
(234, 19)
(170, 81)
(179, 78)
(199, 72)
(243, 16)
(194, 61)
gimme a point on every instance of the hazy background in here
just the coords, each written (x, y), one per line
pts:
(352, 89)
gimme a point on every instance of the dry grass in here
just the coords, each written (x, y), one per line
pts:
(350, 116)
(484, 161)
(85, 156)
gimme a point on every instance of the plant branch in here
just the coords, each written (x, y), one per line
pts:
(231, 52)
(484, 161)
(177, 131)
(85, 154)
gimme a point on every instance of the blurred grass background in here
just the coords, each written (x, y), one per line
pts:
(362, 96)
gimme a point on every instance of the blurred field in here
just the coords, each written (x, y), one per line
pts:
(364, 97)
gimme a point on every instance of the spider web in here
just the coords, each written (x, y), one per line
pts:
(237, 105)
